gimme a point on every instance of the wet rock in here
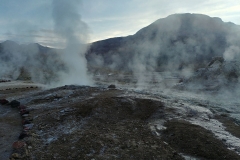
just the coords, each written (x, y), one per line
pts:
(14, 103)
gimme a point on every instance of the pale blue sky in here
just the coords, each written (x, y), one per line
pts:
(29, 21)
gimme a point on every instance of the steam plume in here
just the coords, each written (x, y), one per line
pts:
(74, 31)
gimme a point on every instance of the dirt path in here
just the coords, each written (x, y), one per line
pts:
(10, 119)
(10, 127)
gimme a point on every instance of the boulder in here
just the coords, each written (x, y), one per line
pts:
(14, 103)
(112, 86)
(4, 101)
(23, 135)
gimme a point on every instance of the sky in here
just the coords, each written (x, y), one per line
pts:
(28, 21)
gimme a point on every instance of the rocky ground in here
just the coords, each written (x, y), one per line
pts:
(10, 120)
(81, 122)
(10, 127)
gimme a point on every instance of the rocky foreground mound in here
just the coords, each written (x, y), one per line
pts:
(77, 122)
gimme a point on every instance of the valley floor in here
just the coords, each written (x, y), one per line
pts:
(81, 122)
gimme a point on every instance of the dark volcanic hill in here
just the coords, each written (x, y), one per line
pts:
(176, 42)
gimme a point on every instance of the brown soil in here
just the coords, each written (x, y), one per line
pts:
(196, 141)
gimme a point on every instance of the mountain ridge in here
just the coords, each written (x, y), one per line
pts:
(166, 39)
(178, 43)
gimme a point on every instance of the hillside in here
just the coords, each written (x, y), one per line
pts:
(180, 43)
(30, 61)
(170, 91)
(173, 43)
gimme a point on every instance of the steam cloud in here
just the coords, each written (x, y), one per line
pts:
(29, 61)
(179, 44)
(53, 67)
(69, 26)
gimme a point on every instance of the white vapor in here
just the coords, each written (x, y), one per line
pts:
(74, 31)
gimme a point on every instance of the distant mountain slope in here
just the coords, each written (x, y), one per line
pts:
(179, 42)
(31, 61)
(176, 42)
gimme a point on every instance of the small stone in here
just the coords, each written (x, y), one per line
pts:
(154, 146)
(14, 103)
(22, 112)
(15, 156)
(134, 143)
(23, 135)
(29, 118)
(25, 115)
(112, 86)
(28, 126)
(25, 122)
(26, 152)
(18, 144)
(34, 135)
